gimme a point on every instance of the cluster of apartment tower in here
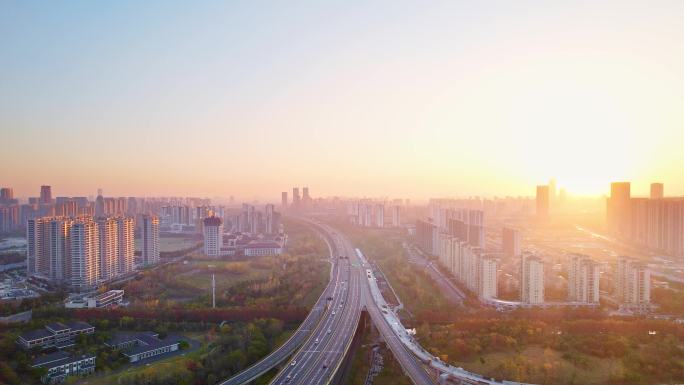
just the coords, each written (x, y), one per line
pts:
(654, 222)
(456, 236)
(85, 251)
(370, 213)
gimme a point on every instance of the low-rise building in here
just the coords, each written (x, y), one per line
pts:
(56, 334)
(256, 249)
(103, 300)
(61, 364)
(140, 346)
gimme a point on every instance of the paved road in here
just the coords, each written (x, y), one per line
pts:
(451, 292)
(301, 334)
(324, 348)
(317, 361)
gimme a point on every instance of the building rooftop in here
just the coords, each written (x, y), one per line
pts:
(155, 345)
(258, 245)
(50, 358)
(79, 325)
(35, 334)
(57, 326)
(124, 337)
(212, 221)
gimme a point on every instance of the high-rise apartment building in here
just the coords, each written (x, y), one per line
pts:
(583, 279)
(108, 234)
(283, 200)
(270, 219)
(380, 215)
(306, 198)
(213, 236)
(657, 191)
(126, 248)
(84, 254)
(542, 202)
(618, 208)
(149, 233)
(396, 216)
(295, 198)
(531, 279)
(487, 285)
(632, 282)
(6, 195)
(510, 242)
(45, 194)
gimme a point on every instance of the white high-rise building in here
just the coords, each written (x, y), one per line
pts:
(583, 279)
(270, 220)
(108, 234)
(632, 282)
(149, 232)
(487, 275)
(126, 247)
(380, 215)
(396, 216)
(58, 252)
(531, 279)
(84, 254)
(213, 236)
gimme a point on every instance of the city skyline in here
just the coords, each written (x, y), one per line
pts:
(237, 99)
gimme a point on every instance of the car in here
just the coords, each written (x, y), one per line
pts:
(340, 306)
(329, 331)
(315, 342)
(325, 365)
(293, 363)
(333, 313)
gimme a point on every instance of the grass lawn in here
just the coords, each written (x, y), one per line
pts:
(161, 365)
(544, 366)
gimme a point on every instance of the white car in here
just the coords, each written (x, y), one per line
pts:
(293, 363)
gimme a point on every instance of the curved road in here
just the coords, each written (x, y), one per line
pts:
(301, 334)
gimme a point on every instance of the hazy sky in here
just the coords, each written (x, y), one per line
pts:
(409, 99)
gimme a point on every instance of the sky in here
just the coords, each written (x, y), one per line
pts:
(395, 98)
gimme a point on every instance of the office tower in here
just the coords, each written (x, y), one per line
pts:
(295, 197)
(487, 287)
(511, 242)
(583, 279)
(126, 245)
(213, 236)
(618, 208)
(531, 279)
(45, 194)
(632, 282)
(396, 216)
(283, 200)
(380, 215)
(270, 224)
(657, 191)
(6, 194)
(542, 202)
(149, 236)
(108, 234)
(84, 254)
